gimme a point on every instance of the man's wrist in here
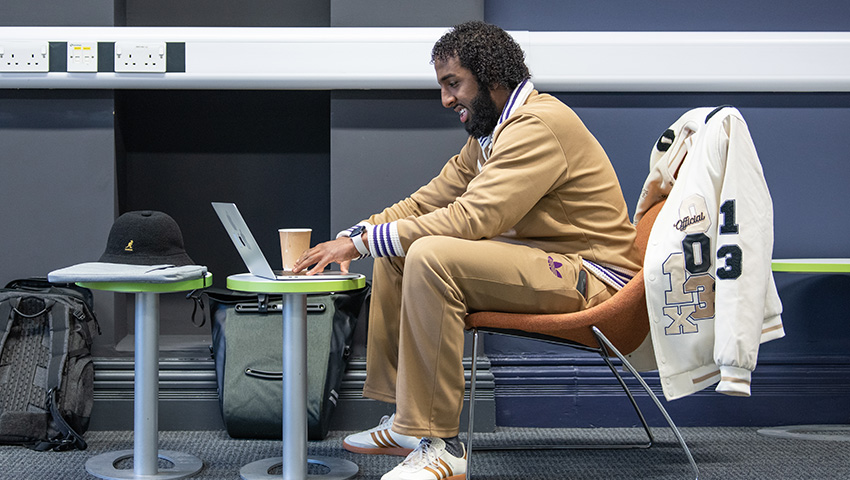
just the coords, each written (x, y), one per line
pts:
(356, 237)
(360, 245)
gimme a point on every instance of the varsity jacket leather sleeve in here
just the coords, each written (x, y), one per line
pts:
(709, 287)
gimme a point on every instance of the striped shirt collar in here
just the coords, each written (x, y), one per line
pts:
(516, 100)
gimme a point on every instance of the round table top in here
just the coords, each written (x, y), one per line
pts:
(140, 287)
(812, 265)
(245, 282)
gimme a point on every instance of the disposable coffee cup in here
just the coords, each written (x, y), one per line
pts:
(293, 242)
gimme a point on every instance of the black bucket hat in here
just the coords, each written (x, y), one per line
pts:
(145, 237)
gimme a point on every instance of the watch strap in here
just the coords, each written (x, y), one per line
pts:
(360, 245)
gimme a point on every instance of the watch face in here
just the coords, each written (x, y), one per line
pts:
(358, 230)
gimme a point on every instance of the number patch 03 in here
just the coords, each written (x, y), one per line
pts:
(690, 296)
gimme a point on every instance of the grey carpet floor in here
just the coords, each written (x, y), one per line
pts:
(721, 453)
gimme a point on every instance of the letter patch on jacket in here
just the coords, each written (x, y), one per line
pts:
(690, 296)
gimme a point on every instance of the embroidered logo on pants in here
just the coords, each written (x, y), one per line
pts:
(554, 266)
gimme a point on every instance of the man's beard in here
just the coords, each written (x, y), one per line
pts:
(484, 115)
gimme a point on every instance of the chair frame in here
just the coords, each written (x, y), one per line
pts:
(604, 349)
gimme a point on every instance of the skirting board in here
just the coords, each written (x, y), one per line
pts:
(515, 391)
(188, 398)
(581, 392)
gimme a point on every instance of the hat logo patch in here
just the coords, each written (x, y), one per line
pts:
(129, 247)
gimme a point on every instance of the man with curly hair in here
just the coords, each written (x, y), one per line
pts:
(528, 217)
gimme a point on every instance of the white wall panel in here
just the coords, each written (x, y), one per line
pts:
(398, 58)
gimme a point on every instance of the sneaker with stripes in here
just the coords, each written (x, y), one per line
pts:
(430, 461)
(381, 440)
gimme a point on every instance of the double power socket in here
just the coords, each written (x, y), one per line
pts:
(24, 56)
(128, 56)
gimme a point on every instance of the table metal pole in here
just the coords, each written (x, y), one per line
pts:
(145, 421)
(145, 453)
(294, 386)
(294, 461)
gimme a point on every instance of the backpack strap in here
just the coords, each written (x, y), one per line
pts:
(68, 437)
(6, 309)
(59, 331)
(5, 316)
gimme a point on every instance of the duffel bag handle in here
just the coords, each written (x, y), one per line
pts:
(263, 374)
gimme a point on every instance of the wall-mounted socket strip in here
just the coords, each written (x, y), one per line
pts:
(82, 56)
(140, 57)
(24, 56)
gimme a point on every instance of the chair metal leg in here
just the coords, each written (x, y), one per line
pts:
(600, 350)
(605, 345)
(604, 340)
(650, 437)
(471, 415)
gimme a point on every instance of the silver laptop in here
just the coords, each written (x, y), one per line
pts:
(250, 251)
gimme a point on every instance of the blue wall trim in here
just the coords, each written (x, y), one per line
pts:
(582, 392)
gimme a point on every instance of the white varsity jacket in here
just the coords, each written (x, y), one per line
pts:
(709, 287)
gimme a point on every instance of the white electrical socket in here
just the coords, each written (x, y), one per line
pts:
(24, 56)
(140, 57)
(82, 56)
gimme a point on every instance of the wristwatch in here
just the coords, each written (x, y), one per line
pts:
(356, 237)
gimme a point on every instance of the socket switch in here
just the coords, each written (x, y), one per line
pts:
(140, 57)
(82, 56)
(24, 56)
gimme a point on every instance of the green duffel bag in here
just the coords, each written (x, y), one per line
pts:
(247, 349)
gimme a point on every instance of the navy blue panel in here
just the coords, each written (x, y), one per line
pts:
(817, 323)
(668, 15)
(801, 140)
(577, 391)
(583, 405)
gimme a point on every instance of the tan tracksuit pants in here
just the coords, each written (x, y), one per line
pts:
(416, 330)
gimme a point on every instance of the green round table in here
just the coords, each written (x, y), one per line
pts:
(812, 265)
(294, 461)
(146, 453)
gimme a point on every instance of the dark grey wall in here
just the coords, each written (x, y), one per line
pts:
(395, 13)
(57, 184)
(48, 13)
(222, 13)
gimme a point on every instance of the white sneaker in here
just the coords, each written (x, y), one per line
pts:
(381, 440)
(430, 461)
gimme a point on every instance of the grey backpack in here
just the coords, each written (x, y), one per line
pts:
(46, 369)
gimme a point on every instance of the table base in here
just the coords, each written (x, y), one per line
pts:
(809, 432)
(103, 466)
(339, 469)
